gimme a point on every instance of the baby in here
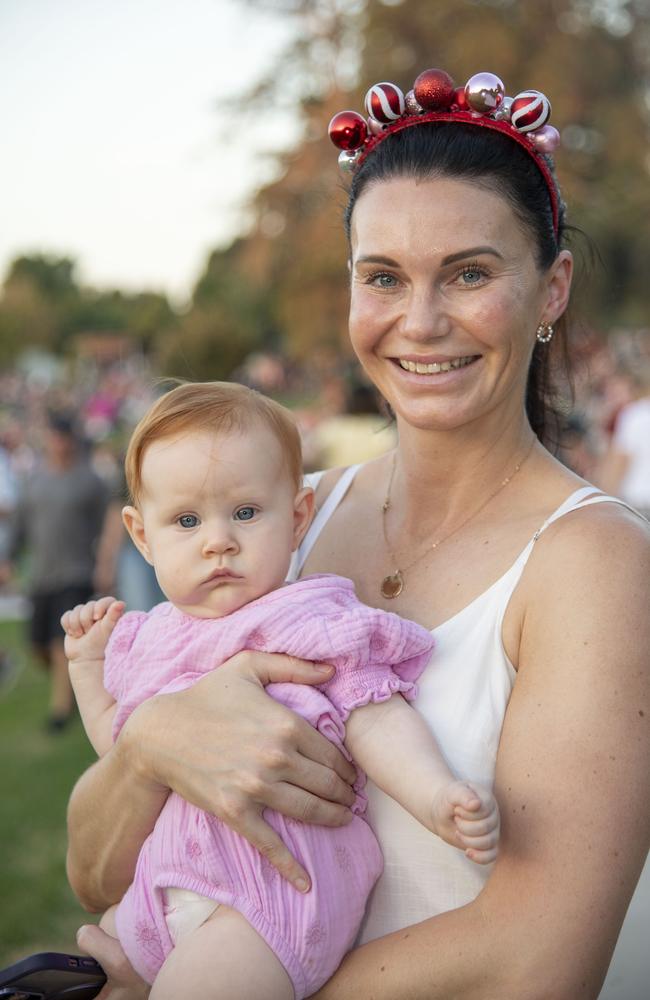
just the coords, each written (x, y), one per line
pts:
(214, 474)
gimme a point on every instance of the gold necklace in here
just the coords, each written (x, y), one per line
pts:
(393, 584)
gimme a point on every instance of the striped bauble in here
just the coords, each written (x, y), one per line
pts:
(529, 111)
(385, 103)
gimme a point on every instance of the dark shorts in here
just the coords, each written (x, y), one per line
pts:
(47, 609)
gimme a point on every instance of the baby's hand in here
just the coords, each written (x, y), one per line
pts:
(467, 816)
(88, 627)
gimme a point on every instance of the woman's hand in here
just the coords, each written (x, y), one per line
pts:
(122, 982)
(226, 746)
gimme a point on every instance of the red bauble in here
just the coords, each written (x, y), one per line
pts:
(348, 130)
(529, 110)
(434, 90)
(460, 99)
(385, 103)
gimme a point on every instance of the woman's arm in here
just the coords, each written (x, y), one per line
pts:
(223, 745)
(572, 783)
(112, 809)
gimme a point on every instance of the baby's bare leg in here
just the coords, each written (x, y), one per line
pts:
(223, 959)
(104, 945)
(107, 923)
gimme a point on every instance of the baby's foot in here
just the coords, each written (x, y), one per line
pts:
(467, 816)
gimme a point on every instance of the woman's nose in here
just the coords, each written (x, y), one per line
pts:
(424, 317)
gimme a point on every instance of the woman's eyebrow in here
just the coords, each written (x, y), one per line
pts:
(472, 252)
(372, 259)
(450, 259)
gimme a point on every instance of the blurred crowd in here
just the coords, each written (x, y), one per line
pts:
(63, 435)
(605, 432)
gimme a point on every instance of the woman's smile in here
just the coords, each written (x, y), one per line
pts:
(433, 367)
(438, 373)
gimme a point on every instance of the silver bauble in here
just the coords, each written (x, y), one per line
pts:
(348, 159)
(484, 92)
(502, 113)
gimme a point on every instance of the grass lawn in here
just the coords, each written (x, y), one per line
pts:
(38, 911)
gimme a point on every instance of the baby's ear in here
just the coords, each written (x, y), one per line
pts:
(132, 519)
(303, 511)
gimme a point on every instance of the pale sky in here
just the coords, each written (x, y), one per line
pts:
(112, 150)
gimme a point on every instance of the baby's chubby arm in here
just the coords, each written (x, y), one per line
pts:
(392, 743)
(87, 630)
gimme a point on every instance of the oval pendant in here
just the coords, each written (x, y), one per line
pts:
(392, 585)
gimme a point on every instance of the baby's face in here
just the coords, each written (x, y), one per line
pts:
(220, 518)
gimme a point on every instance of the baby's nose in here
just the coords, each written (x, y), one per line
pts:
(219, 540)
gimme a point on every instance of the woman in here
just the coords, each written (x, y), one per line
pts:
(534, 587)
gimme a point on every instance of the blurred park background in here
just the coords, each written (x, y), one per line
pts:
(172, 207)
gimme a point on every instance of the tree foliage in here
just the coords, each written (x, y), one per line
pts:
(285, 283)
(43, 306)
(590, 58)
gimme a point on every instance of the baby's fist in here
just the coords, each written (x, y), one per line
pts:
(88, 628)
(476, 815)
(467, 816)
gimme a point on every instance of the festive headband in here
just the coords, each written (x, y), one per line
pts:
(434, 98)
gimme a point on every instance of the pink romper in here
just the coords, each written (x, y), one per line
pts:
(376, 654)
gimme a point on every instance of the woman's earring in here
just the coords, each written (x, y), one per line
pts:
(545, 333)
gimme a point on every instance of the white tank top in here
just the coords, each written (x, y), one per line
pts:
(463, 695)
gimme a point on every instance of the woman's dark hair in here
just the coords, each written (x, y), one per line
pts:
(493, 161)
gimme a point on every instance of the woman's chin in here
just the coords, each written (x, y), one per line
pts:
(434, 422)
(436, 414)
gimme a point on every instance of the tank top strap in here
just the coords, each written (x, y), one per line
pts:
(498, 596)
(586, 496)
(583, 497)
(330, 504)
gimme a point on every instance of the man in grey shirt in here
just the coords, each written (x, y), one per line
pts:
(58, 519)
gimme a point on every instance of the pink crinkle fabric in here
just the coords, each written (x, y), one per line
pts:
(376, 654)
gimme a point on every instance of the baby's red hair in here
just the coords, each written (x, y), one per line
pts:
(213, 406)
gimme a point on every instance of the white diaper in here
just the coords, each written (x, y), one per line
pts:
(185, 911)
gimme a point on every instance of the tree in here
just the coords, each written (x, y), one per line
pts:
(43, 306)
(553, 45)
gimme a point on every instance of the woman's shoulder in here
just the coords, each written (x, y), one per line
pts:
(583, 592)
(598, 518)
(325, 481)
(599, 542)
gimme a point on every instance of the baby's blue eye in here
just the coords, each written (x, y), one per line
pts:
(188, 520)
(245, 514)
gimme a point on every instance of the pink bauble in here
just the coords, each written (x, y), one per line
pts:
(348, 130)
(484, 92)
(529, 111)
(385, 103)
(434, 90)
(413, 107)
(375, 127)
(545, 139)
